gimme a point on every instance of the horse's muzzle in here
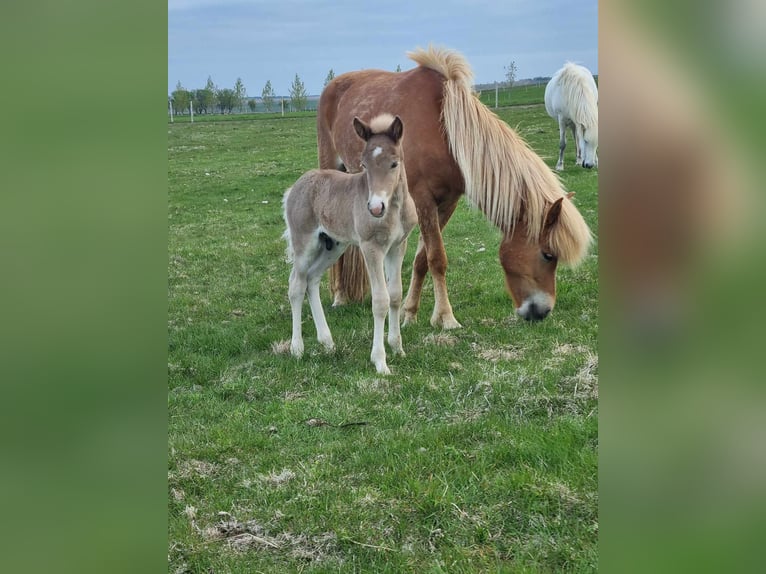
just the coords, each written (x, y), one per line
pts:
(376, 210)
(535, 308)
(535, 313)
(587, 165)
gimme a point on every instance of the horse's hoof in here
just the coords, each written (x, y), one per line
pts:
(445, 322)
(340, 299)
(296, 351)
(409, 319)
(383, 369)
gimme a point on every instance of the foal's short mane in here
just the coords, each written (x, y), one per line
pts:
(503, 177)
(575, 82)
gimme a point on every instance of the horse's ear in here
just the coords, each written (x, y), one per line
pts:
(362, 130)
(553, 215)
(396, 129)
(570, 195)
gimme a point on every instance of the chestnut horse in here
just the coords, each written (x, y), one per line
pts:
(455, 145)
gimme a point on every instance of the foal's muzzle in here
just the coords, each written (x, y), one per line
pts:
(376, 209)
(587, 165)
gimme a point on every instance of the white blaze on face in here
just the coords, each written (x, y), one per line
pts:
(377, 151)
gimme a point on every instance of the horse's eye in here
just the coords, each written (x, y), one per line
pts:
(363, 165)
(548, 256)
(395, 164)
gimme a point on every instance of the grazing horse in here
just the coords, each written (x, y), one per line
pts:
(455, 145)
(571, 98)
(326, 211)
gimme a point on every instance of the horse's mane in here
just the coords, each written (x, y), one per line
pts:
(576, 83)
(503, 176)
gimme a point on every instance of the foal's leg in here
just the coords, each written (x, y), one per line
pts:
(325, 259)
(296, 292)
(373, 258)
(562, 143)
(393, 268)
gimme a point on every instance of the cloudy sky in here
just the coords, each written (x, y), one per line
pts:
(274, 40)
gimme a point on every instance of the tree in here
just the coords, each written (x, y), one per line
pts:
(510, 74)
(329, 78)
(251, 105)
(298, 94)
(267, 95)
(240, 93)
(398, 68)
(205, 98)
(181, 98)
(227, 100)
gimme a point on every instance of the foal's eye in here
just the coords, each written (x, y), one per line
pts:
(394, 164)
(363, 165)
(548, 256)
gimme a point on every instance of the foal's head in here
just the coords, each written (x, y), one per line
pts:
(381, 159)
(530, 264)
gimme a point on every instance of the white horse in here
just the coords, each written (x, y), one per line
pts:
(571, 98)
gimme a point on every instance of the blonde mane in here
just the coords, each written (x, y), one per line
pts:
(577, 86)
(503, 176)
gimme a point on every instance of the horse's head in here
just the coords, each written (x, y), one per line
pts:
(530, 267)
(587, 141)
(381, 159)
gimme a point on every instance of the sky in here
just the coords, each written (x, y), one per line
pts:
(260, 41)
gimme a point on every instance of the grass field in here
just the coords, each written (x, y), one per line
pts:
(479, 453)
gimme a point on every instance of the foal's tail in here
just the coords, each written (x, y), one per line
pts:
(289, 252)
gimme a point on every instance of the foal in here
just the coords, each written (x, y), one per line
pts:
(328, 210)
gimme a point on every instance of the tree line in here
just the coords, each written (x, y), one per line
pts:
(211, 99)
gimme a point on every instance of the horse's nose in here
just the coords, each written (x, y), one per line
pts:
(376, 208)
(587, 165)
(536, 312)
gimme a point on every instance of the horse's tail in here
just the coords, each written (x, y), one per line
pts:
(348, 277)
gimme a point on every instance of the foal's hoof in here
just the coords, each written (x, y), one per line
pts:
(340, 299)
(383, 369)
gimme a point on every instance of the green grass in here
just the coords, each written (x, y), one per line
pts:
(479, 453)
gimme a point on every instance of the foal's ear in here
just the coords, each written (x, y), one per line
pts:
(554, 211)
(362, 129)
(396, 129)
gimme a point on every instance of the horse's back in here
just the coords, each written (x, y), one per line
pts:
(415, 96)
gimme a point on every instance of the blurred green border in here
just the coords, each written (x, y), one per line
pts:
(83, 226)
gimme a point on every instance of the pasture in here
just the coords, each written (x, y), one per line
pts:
(479, 452)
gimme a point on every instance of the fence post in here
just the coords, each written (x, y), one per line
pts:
(191, 112)
(170, 107)
(495, 95)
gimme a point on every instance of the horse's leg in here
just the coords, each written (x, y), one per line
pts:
(373, 258)
(562, 143)
(431, 223)
(419, 270)
(393, 268)
(296, 292)
(442, 308)
(324, 259)
(578, 149)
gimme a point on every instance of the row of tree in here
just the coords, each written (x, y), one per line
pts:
(211, 99)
